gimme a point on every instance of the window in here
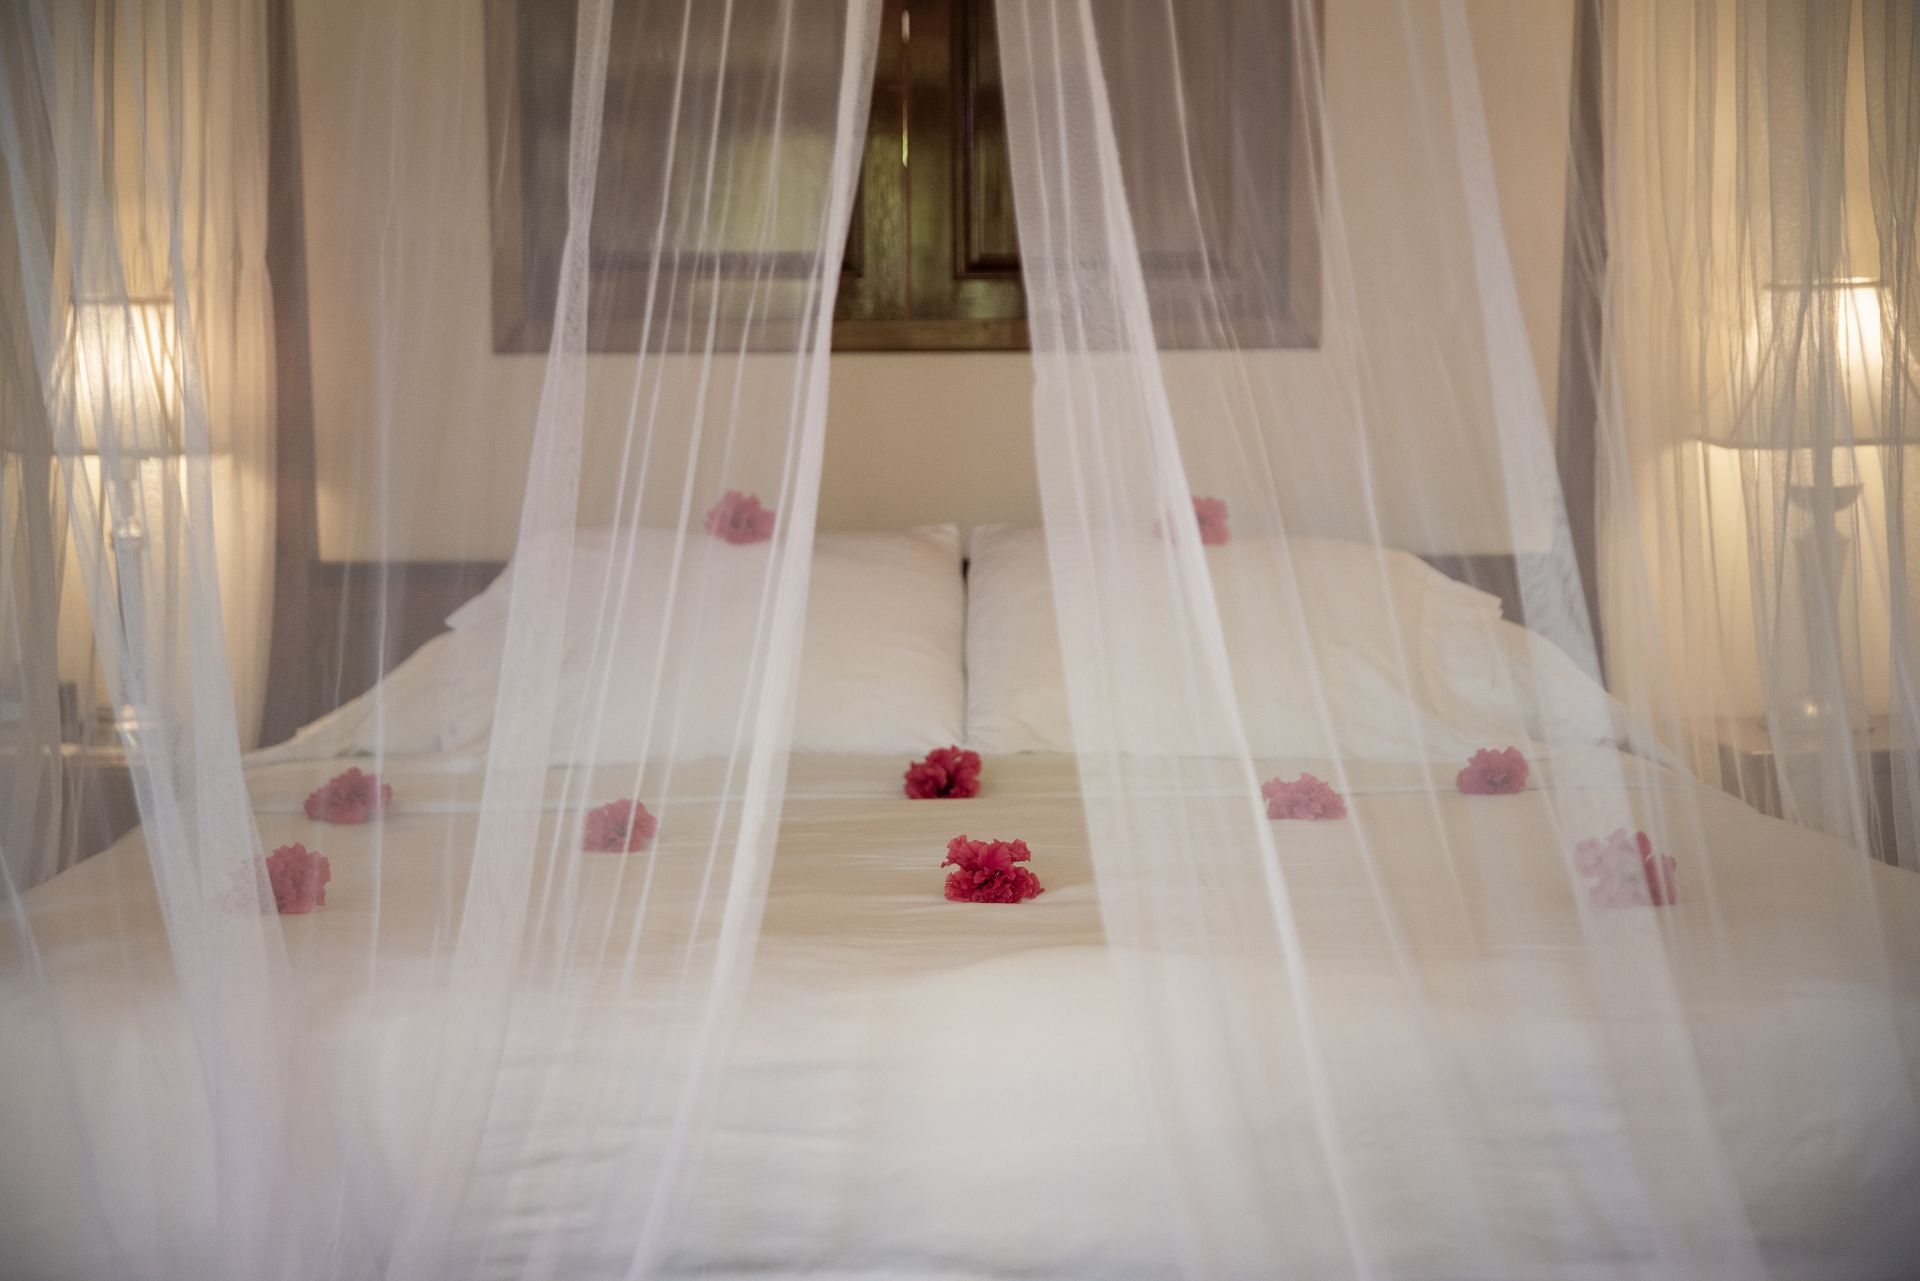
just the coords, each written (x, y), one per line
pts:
(932, 259)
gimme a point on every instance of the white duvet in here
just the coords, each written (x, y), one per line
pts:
(925, 1089)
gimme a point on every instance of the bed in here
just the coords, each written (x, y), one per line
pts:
(858, 1078)
(934, 1090)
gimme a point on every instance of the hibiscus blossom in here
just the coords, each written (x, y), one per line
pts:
(739, 518)
(351, 797)
(1305, 797)
(618, 827)
(299, 876)
(989, 871)
(1492, 773)
(947, 772)
(1212, 515)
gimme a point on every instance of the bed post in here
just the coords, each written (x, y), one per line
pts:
(295, 530)
(1583, 280)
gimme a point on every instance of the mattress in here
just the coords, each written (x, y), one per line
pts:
(935, 1090)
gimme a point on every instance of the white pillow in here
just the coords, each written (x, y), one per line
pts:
(1501, 678)
(881, 669)
(1383, 658)
(400, 716)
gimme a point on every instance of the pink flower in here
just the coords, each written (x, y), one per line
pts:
(739, 518)
(1491, 773)
(618, 827)
(988, 871)
(1212, 515)
(1624, 871)
(352, 797)
(299, 876)
(947, 773)
(1305, 797)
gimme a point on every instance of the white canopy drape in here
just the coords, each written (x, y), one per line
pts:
(1384, 933)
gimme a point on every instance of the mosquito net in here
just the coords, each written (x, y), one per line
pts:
(1425, 788)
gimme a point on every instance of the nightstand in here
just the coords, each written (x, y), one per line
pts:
(97, 805)
(1748, 768)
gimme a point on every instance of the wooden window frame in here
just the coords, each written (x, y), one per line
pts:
(915, 276)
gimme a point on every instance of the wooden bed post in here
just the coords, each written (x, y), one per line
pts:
(1582, 286)
(296, 534)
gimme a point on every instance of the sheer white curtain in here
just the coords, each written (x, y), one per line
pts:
(688, 172)
(1436, 957)
(1278, 972)
(1760, 222)
(172, 274)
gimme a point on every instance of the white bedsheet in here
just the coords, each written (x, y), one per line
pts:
(925, 1089)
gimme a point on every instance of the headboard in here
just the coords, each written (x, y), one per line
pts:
(366, 617)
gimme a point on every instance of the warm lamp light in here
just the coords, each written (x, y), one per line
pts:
(1821, 348)
(123, 359)
(1823, 395)
(121, 362)
(1861, 356)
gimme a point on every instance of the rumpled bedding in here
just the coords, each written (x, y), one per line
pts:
(924, 1089)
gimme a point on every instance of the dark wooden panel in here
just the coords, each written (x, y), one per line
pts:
(296, 533)
(367, 616)
(1231, 257)
(932, 257)
(956, 147)
(666, 275)
(922, 334)
(921, 148)
(1583, 278)
(873, 277)
(986, 235)
(989, 237)
(98, 802)
(1232, 262)
(1495, 574)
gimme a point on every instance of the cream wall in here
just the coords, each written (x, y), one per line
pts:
(417, 419)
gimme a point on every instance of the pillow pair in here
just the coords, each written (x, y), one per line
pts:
(1333, 647)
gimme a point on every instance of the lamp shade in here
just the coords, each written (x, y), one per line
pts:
(1818, 364)
(122, 364)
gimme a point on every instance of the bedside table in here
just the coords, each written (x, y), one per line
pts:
(97, 805)
(1747, 767)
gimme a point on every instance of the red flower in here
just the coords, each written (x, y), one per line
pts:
(352, 797)
(1305, 797)
(1625, 872)
(1491, 773)
(618, 827)
(989, 871)
(739, 518)
(299, 876)
(947, 772)
(1212, 515)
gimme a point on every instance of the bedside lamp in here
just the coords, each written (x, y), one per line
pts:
(1841, 400)
(121, 361)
